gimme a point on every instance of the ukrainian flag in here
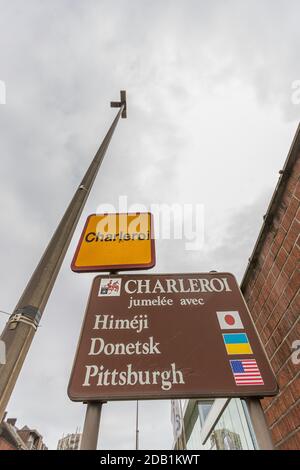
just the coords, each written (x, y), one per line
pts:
(237, 343)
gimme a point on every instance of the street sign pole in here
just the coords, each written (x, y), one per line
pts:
(259, 424)
(137, 427)
(183, 435)
(21, 327)
(91, 426)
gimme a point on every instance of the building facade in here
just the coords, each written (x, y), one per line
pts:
(271, 287)
(70, 442)
(218, 425)
(12, 438)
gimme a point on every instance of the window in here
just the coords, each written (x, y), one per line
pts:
(231, 432)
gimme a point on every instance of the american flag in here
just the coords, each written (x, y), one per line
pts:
(246, 372)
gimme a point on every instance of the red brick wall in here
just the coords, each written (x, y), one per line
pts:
(273, 296)
(4, 445)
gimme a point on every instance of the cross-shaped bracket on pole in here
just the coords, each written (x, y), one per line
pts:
(122, 102)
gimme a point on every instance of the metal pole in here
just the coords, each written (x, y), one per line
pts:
(137, 427)
(21, 327)
(183, 426)
(92, 420)
(91, 426)
(262, 432)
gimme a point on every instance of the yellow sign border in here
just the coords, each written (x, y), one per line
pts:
(114, 267)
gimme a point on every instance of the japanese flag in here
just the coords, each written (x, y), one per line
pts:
(230, 320)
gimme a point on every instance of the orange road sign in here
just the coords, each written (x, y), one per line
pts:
(120, 241)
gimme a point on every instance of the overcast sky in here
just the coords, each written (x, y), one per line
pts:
(210, 121)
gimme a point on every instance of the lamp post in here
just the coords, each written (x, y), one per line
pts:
(22, 324)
